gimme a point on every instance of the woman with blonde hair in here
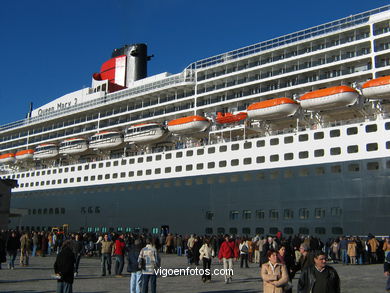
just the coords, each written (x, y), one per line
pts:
(274, 274)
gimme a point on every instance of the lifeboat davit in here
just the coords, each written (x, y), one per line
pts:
(46, 151)
(333, 97)
(7, 158)
(188, 125)
(105, 140)
(73, 146)
(378, 88)
(272, 109)
(24, 155)
(224, 118)
(144, 133)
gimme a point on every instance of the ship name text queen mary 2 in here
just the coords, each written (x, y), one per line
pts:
(290, 135)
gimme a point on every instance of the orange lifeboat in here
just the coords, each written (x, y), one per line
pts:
(333, 97)
(378, 88)
(7, 158)
(272, 109)
(224, 118)
(188, 124)
(24, 155)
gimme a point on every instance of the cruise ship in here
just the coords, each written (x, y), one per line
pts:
(290, 134)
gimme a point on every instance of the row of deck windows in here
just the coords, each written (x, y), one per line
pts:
(274, 230)
(47, 211)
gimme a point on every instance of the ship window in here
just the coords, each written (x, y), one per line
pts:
(335, 211)
(274, 158)
(247, 145)
(168, 170)
(337, 230)
(319, 153)
(157, 171)
(288, 230)
(189, 167)
(56, 211)
(260, 159)
(303, 155)
(52, 182)
(123, 162)
(353, 167)
(79, 168)
(123, 174)
(107, 176)
(247, 161)
(168, 156)
(211, 150)
(233, 231)
(131, 174)
(43, 173)
(21, 185)
(140, 160)
(27, 185)
(289, 156)
(246, 230)
(235, 147)
(139, 173)
(288, 174)
(288, 139)
(100, 177)
(303, 213)
(334, 133)
(370, 147)
(260, 143)
(66, 180)
(131, 161)
(274, 174)
(388, 164)
(223, 148)
(179, 154)
(178, 168)
(101, 165)
(273, 230)
(372, 166)
(220, 230)
(158, 157)
(27, 174)
(273, 214)
(210, 165)
(387, 126)
(33, 174)
(234, 178)
(148, 172)
(115, 175)
(352, 149)
(54, 172)
(303, 137)
(222, 164)
(48, 173)
(304, 230)
(318, 135)
(209, 230)
(371, 128)
(86, 167)
(335, 169)
(200, 152)
(108, 164)
(149, 159)
(209, 215)
(39, 211)
(320, 171)
(233, 215)
(234, 162)
(199, 166)
(42, 183)
(274, 141)
(288, 214)
(190, 153)
(387, 144)
(38, 173)
(62, 210)
(72, 169)
(335, 151)
(210, 180)
(352, 131)
(93, 178)
(319, 213)
(199, 180)
(116, 163)
(259, 230)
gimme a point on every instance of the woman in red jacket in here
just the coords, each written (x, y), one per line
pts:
(227, 252)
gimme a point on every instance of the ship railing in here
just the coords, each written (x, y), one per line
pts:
(183, 77)
(323, 29)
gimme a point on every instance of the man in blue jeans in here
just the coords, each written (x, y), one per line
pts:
(343, 250)
(149, 261)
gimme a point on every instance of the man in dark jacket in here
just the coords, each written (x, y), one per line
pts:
(64, 268)
(319, 278)
(78, 250)
(132, 258)
(13, 244)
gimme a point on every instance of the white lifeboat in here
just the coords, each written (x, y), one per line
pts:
(272, 109)
(73, 146)
(24, 155)
(378, 88)
(46, 151)
(188, 124)
(105, 140)
(144, 133)
(8, 158)
(333, 97)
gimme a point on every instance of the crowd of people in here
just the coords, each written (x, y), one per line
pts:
(279, 258)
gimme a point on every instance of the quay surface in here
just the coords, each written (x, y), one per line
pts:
(37, 278)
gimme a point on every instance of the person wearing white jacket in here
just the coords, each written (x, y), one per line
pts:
(206, 254)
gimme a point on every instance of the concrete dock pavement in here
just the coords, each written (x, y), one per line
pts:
(37, 278)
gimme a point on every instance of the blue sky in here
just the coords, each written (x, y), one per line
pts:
(49, 48)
